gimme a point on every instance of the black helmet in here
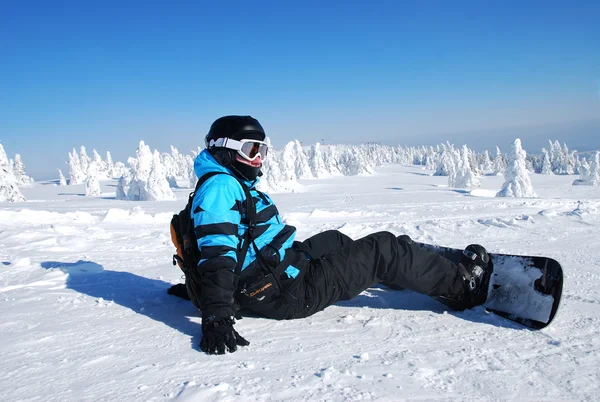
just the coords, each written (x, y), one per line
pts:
(235, 127)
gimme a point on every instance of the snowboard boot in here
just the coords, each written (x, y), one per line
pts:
(476, 271)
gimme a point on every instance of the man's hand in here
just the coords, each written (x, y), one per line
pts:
(179, 290)
(219, 336)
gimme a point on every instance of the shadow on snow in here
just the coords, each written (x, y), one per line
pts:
(381, 297)
(149, 297)
(142, 295)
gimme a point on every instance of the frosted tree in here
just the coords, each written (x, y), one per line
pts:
(472, 158)
(446, 165)
(191, 172)
(9, 190)
(76, 174)
(546, 164)
(594, 177)
(301, 166)
(330, 160)
(431, 159)
(61, 178)
(464, 176)
(92, 185)
(584, 169)
(98, 159)
(517, 182)
(19, 172)
(4, 163)
(316, 161)
(123, 185)
(110, 166)
(158, 188)
(84, 160)
(287, 162)
(141, 172)
(552, 155)
(499, 163)
(590, 175)
(486, 162)
(352, 162)
(119, 169)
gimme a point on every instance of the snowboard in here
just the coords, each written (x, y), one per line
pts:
(524, 289)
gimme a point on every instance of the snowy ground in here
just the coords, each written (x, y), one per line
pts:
(84, 313)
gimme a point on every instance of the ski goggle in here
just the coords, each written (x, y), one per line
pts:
(247, 149)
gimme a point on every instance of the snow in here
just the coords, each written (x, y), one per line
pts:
(84, 313)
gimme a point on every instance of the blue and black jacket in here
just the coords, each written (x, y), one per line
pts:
(218, 211)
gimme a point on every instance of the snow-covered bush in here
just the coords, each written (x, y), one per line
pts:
(517, 182)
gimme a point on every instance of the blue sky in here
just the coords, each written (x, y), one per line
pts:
(106, 74)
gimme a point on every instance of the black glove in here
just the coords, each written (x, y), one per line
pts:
(179, 290)
(218, 335)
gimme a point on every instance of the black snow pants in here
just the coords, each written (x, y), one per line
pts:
(338, 268)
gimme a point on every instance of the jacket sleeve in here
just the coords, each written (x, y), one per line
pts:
(216, 222)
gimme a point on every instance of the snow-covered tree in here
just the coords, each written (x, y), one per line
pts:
(123, 185)
(191, 173)
(463, 176)
(141, 173)
(76, 173)
(517, 182)
(92, 185)
(84, 160)
(98, 159)
(61, 178)
(4, 162)
(316, 161)
(590, 176)
(110, 165)
(499, 163)
(546, 164)
(9, 189)
(447, 164)
(19, 172)
(486, 162)
(594, 178)
(158, 188)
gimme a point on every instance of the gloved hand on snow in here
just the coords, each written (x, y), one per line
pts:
(219, 336)
(179, 290)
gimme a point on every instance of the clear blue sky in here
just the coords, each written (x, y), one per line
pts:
(106, 74)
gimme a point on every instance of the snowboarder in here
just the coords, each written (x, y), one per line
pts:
(269, 273)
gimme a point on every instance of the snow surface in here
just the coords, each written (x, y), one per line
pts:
(84, 313)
